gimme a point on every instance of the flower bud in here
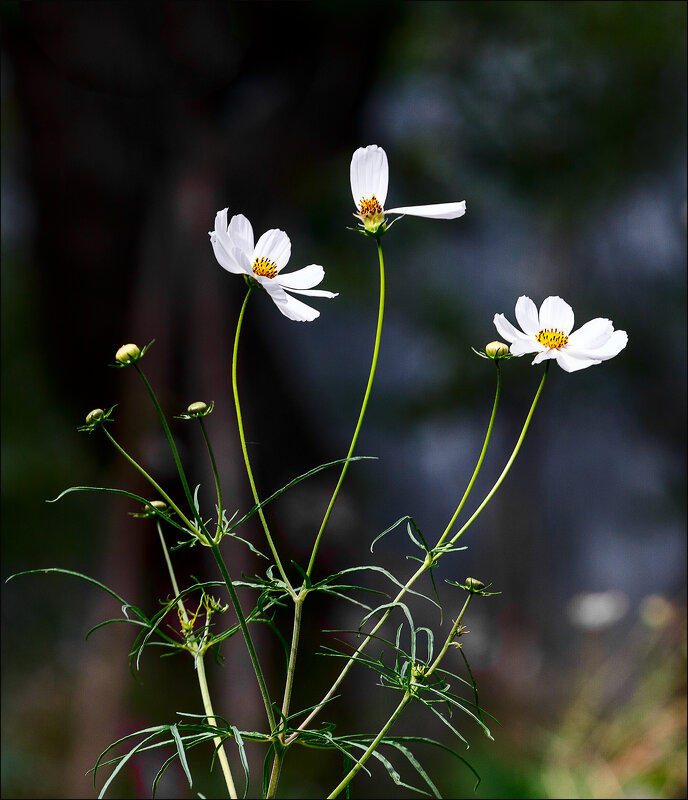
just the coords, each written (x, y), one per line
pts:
(94, 416)
(158, 505)
(496, 349)
(474, 585)
(128, 354)
(197, 408)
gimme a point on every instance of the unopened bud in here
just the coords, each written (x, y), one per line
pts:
(197, 408)
(94, 416)
(158, 505)
(128, 354)
(473, 584)
(496, 349)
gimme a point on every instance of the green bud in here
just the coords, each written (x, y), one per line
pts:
(496, 349)
(159, 505)
(197, 408)
(94, 416)
(128, 354)
(474, 585)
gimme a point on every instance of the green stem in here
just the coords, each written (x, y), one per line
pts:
(173, 446)
(242, 437)
(190, 525)
(373, 746)
(420, 571)
(210, 714)
(511, 460)
(200, 674)
(216, 477)
(291, 669)
(364, 405)
(480, 459)
(408, 696)
(245, 631)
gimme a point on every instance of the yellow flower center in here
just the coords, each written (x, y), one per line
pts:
(369, 206)
(265, 268)
(554, 339)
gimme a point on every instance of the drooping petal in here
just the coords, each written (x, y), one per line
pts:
(435, 211)
(570, 362)
(225, 260)
(369, 173)
(612, 347)
(556, 314)
(240, 232)
(527, 315)
(594, 333)
(546, 354)
(305, 278)
(275, 246)
(291, 307)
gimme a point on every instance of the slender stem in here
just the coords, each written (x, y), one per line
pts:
(200, 674)
(291, 668)
(217, 479)
(245, 631)
(420, 571)
(359, 649)
(210, 714)
(406, 699)
(242, 437)
(506, 469)
(450, 525)
(173, 446)
(364, 405)
(190, 525)
(408, 696)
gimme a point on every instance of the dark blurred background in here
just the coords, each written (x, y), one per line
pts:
(125, 127)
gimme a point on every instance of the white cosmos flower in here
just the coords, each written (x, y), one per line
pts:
(369, 181)
(548, 333)
(263, 263)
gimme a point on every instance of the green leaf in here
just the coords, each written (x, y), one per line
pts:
(415, 764)
(242, 755)
(182, 754)
(293, 482)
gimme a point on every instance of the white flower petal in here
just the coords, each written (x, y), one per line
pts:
(546, 354)
(240, 232)
(556, 314)
(570, 362)
(435, 211)
(527, 315)
(526, 344)
(612, 347)
(369, 173)
(275, 246)
(298, 311)
(594, 333)
(315, 292)
(243, 260)
(221, 223)
(305, 278)
(505, 329)
(224, 259)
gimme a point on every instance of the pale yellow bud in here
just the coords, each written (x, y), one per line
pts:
(94, 416)
(128, 353)
(496, 349)
(197, 408)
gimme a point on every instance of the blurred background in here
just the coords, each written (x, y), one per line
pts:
(125, 127)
